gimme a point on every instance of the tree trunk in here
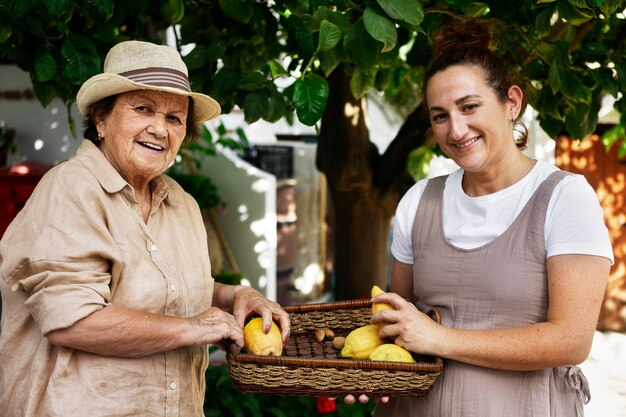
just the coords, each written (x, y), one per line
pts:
(364, 187)
(361, 236)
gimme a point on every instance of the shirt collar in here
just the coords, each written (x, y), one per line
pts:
(108, 177)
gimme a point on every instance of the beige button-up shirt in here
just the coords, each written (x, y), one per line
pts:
(78, 245)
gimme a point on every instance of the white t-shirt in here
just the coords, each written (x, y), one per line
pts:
(574, 221)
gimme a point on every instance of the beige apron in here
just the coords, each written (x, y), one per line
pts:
(498, 285)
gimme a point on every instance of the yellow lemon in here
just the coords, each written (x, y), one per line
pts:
(391, 352)
(376, 307)
(257, 342)
(361, 342)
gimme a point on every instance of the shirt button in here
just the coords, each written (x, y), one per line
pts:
(153, 248)
(173, 287)
(173, 385)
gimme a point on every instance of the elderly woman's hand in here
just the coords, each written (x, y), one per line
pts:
(217, 327)
(248, 301)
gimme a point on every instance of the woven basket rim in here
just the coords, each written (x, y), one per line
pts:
(333, 305)
(339, 363)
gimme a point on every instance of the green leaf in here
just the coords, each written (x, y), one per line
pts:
(5, 32)
(277, 412)
(552, 127)
(330, 35)
(409, 11)
(233, 406)
(604, 77)
(239, 10)
(542, 22)
(253, 80)
(554, 79)
(593, 52)
(550, 104)
(383, 80)
(173, 11)
(277, 69)
(197, 58)
(360, 47)
(304, 38)
(104, 7)
(573, 87)
(621, 152)
(278, 105)
(330, 60)
(253, 407)
(57, 8)
(17, 8)
(45, 65)
(298, 7)
(310, 97)
(477, 9)
(611, 136)
(419, 162)
(338, 18)
(70, 120)
(580, 121)
(620, 69)
(609, 7)
(255, 105)
(380, 28)
(579, 4)
(44, 92)
(82, 59)
(545, 1)
(224, 83)
(361, 82)
(573, 15)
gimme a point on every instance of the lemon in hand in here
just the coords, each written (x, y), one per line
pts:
(361, 342)
(376, 307)
(256, 342)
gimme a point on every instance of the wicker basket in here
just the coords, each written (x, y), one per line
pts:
(308, 367)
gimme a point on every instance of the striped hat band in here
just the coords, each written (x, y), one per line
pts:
(159, 77)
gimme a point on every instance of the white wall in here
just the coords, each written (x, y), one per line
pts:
(43, 134)
(249, 218)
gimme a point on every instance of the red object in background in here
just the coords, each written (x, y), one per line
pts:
(16, 185)
(325, 405)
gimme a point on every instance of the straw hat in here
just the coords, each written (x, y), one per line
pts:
(136, 65)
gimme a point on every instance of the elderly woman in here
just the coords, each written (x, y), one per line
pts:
(108, 300)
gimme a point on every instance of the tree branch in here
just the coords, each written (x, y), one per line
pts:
(391, 171)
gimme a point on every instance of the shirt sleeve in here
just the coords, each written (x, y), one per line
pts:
(575, 222)
(401, 244)
(58, 251)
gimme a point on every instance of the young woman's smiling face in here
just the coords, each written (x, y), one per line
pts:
(143, 133)
(470, 122)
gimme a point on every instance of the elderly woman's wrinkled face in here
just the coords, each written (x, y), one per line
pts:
(143, 132)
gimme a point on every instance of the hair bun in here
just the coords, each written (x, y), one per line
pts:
(463, 35)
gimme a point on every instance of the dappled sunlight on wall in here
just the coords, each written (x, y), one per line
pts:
(607, 175)
(248, 221)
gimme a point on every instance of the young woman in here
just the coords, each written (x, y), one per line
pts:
(511, 250)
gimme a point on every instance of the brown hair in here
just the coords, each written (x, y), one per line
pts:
(105, 106)
(469, 43)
